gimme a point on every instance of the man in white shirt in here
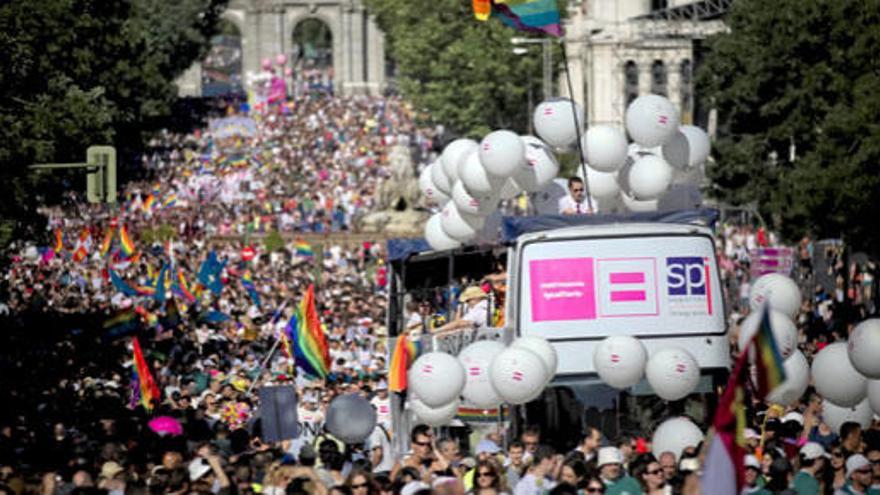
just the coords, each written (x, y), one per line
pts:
(576, 203)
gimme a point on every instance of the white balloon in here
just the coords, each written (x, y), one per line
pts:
(673, 373)
(350, 418)
(476, 360)
(674, 435)
(459, 226)
(436, 378)
(502, 153)
(509, 190)
(543, 349)
(432, 194)
(453, 153)
(688, 147)
(473, 204)
(784, 331)
(797, 378)
(601, 185)
(554, 122)
(518, 375)
(540, 166)
(835, 416)
(835, 378)
(436, 237)
(649, 177)
(440, 179)
(620, 361)
(435, 416)
(473, 174)
(604, 148)
(777, 290)
(651, 120)
(874, 395)
(638, 206)
(864, 348)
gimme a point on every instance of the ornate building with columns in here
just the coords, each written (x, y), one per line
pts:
(620, 49)
(267, 28)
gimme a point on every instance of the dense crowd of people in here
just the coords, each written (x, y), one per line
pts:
(312, 164)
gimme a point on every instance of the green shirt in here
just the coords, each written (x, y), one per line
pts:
(625, 485)
(805, 484)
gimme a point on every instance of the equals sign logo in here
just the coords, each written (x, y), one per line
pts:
(517, 376)
(474, 371)
(615, 358)
(681, 368)
(548, 111)
(663, 119)
(427, 368)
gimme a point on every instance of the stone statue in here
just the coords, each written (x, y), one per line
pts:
(395, 197)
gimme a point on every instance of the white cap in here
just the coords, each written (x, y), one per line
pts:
(413, 487)
(794, 416)
(198, 468)
(752, 462)
(856, 462)
(813, 450)
(609, 455)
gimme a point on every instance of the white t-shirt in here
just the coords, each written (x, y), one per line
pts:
(383, 411)
(478, 314)
(379, 439)
(581, 208)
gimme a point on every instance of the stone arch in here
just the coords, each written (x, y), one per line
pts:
(331, 20)
(659, 78)
(630, 82)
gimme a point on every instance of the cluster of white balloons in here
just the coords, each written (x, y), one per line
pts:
(640, 173)
(470, 178)
(485, 374)
(621, 361)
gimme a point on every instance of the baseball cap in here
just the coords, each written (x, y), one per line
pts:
(609, 455)
(752, 462)
(856, 462)
(813, 450)
(198, 468)
(794, 416)
(487, 446)
(110, 469)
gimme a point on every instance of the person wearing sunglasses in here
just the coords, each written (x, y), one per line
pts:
(652, 478)
(594, 486)
(575, 202)
(836, 476)
(487, 480)
(859, 475)
(361, 483)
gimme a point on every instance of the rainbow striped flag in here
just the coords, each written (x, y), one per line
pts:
(146, 390)
(310, 351)
(149, 203)
(533, 16)
(303, 248)
(170, 201)
(406, 351)
(125, 242)
(475, 415)
(768, 359)
(108, 240)
(59, 241)
(247, 281)
(181, 288)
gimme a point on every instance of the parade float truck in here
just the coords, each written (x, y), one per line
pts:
(574, 282)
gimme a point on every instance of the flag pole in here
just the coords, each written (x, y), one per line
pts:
(577, 127)
(263, 366)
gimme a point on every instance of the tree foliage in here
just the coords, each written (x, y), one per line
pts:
(80, 72)
(461, 71)
(795, 87)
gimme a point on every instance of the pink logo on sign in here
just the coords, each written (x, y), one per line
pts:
(563, 289)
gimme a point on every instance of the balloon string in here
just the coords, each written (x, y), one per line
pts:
(577, 128)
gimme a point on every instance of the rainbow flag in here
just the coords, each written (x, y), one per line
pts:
(406, 351)
(149, 203)
(475, 415)
(147, 391)
(170, 201)
(108, 240)
(303, 248)
(247, 281)
(533, 16)
(768, 359)
(310, 349)
(125, 242)
(59, 241)
(724, 468)
(181, 288)
(119, 325)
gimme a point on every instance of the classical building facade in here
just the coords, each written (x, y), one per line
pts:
(620, 49)
(267, 29)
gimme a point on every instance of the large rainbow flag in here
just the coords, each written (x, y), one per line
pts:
(534, 16)
(125, 242)
(304, 333)
(143, 386)
(406, 351)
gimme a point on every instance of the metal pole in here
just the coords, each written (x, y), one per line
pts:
(263, 366)
(548, 69)
(577, 128)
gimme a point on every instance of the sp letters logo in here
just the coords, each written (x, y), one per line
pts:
(687, 276)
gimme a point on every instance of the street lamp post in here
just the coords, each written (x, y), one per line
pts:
(522, 51)
(548, 60)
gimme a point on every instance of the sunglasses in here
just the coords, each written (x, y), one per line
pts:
(360, 485)
(595, 489)
(422, 444)
(486, 474)
(653, 472)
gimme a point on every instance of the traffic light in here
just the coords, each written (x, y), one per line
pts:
(101, 175)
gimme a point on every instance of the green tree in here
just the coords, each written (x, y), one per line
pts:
(80, 72)
(462, 72)
(795, 87)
